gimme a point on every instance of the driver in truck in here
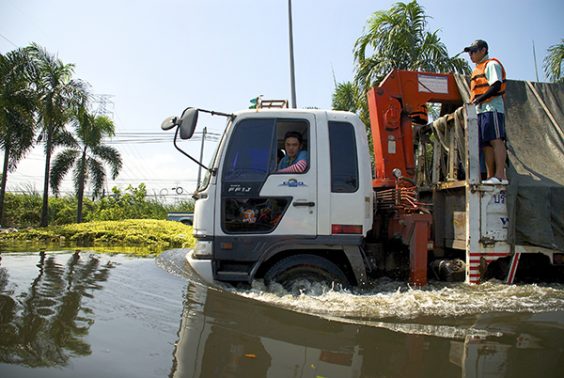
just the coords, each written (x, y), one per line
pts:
(295, 160)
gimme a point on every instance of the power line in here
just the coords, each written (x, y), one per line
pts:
(132, 174)
(154, 137)
(90, 194)
(6, 38)
(140, 169)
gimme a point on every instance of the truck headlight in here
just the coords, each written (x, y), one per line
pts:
(202, 250)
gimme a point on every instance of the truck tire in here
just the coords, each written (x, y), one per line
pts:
(497, 269)
(292, 272)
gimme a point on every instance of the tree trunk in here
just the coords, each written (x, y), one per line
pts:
(3, 184)
(45, 206)
(81, 184)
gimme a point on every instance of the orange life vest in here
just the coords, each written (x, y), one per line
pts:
(479, 83)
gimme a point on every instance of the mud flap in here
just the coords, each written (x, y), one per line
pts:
(513, 268)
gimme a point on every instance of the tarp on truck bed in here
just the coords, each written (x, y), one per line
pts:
(534, 120)
(535, 147)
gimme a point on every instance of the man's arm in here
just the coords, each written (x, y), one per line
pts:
(298, 167)
(492, 91)
(494, 77)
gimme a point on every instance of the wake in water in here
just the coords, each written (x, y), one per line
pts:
(392, 299)
(453, 311)
(388, 299)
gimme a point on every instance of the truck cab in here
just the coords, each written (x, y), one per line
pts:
(252, 221)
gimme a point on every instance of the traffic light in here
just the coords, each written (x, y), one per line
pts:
(254, 103)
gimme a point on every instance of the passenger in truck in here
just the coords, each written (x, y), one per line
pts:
(296, 158)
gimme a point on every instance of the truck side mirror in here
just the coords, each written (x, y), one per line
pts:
(168, 123)
(187, 123)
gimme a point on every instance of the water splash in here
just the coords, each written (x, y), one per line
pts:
(392, 299)
(438, 309)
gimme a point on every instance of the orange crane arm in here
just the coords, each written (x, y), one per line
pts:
(394, 106)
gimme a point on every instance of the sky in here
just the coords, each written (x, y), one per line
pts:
(155, 58)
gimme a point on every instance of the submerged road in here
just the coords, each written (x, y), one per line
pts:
(65, 315)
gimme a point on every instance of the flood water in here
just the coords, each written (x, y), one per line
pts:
(65, 314)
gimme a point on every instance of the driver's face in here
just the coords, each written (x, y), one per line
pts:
(292, 146)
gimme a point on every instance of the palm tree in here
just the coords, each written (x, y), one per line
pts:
(553, 63)
(87, 154)
(59, 95)
(17, 106)
(398, 39)
(346, 97)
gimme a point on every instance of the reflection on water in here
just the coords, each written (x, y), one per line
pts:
(92, 315)
(86, 315)
(45, 324)
(444, 330)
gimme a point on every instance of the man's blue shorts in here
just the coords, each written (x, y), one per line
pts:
(492, 126)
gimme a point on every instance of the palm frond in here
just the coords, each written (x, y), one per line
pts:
(65, 138)
(97, 174)
(62, 163)
(346, 97)
(398, 39)
(553, 63)
(81, 173)
(110, 156)
(17, 107)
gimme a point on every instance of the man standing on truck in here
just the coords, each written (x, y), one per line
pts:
(487, 87)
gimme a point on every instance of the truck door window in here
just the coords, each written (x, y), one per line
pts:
(292, 139)
(344, 163)
(253, 215)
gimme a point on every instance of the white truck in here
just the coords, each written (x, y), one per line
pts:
(418, 211)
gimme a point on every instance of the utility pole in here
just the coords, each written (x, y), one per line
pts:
(535, 59)
(292, 76)
(104, 102)
(201, 156)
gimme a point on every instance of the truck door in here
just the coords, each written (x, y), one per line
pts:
(255, 198)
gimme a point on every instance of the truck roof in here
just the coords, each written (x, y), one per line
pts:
(286, 111)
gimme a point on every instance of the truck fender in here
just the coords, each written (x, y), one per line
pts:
(352, 253)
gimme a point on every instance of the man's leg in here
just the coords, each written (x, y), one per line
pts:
(499, 156)
(489, 158)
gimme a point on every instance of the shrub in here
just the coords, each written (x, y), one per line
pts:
(23, 210)
(150, 235)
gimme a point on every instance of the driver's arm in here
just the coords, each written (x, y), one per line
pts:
(298, 167)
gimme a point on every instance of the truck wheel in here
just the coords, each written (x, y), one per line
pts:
(497, 269)
(297, 273)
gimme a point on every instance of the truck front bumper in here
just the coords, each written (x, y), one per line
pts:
(203, 267)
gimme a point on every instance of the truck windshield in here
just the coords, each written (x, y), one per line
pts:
(249, 154)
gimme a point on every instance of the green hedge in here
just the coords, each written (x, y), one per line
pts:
(23, 210)
(147, 235)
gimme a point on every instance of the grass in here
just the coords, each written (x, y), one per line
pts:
(138, 236)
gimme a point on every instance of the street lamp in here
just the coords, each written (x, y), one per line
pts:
(292, 76)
